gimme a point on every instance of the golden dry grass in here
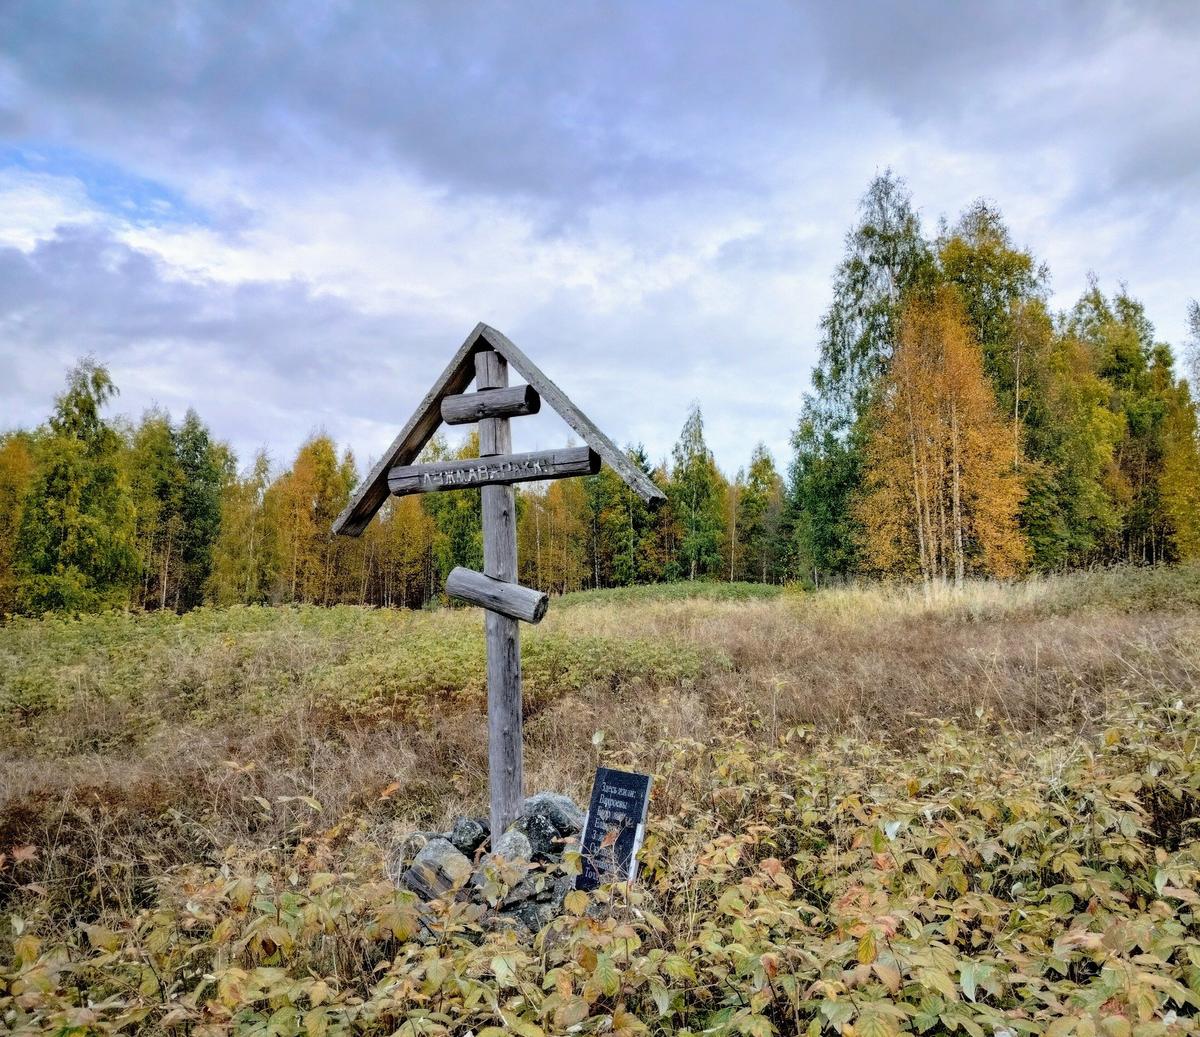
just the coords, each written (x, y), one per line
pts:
(151, 743)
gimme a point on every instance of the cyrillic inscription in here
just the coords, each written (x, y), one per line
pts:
(492, 469)
(615, 826)
(473, 473)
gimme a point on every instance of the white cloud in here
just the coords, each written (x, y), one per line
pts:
(33, 204)
(651, 205)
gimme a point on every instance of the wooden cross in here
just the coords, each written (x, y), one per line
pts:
(485, 356)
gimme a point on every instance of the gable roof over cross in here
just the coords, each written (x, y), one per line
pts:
(368, 498)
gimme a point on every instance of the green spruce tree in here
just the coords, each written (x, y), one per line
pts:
(886, 256)
(204, 467)
(155, 483)
(1138, 374)
(695, 491)
(759, 511)
(619, 528)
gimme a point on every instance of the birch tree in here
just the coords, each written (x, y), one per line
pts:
(75, 545)
(16, 473)
(941, 498)
(886, 257)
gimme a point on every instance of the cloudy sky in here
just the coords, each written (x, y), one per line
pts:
(288, 215)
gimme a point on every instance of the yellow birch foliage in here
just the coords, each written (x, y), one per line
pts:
(16, 471)
(400, 553)
(1179, 484)
(301, 505)
(552, 537)
(531, 534)
(941, 496)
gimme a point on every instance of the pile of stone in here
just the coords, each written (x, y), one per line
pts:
(519, 881)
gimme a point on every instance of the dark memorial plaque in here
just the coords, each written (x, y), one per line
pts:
(615, 825)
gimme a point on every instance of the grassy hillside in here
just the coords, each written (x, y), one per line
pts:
(874, 812)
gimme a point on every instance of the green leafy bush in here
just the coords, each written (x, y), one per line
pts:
(196, 809)
(821, 886)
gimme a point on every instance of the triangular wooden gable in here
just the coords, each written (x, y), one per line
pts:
(459, 373)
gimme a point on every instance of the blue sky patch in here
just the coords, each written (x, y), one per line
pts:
(110, 188)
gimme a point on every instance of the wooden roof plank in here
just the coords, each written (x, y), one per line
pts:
(630, 473)
(373, 490)
(368, 498)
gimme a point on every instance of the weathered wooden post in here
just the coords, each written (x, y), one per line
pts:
(486, 356)
(506, 774)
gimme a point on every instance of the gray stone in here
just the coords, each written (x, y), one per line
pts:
(526, 889)
(519, 884)
(499, 879)
(508, 864)
(556, 890)
(533, 914)
(512, 846)
(467, 835)
(543, 836)
(501, 922)
(560, 810)
(402, 855)
(437, 869)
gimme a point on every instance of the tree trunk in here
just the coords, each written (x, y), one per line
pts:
(922, 546)
(956, 475)
(918, 503)
(1017, 407)
(632, 542)
(537, 542)
(166, 568)
(732, 542)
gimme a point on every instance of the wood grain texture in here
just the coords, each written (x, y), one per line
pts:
(513, 402)
(633, 476)
(491, 369)
(506, 768)
(509, 599)
(493, 469)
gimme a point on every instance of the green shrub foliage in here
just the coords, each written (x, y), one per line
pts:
(824, 885)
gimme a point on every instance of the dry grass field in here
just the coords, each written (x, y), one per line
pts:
(865, 802)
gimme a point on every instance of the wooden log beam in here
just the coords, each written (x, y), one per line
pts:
(499, 469)
(491, 403)
(368, 498)
(483, 340)
(634, 477)
(506, 763)
(509, 599)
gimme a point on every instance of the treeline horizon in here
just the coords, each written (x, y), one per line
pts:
(957, 427)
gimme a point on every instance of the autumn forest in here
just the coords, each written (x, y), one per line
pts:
(956, 427)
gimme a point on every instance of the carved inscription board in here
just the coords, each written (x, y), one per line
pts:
(486, 471)
(468, 474)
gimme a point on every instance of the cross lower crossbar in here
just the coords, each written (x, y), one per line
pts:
(509, 599)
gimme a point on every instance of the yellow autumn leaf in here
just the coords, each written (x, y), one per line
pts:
(866, 948)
